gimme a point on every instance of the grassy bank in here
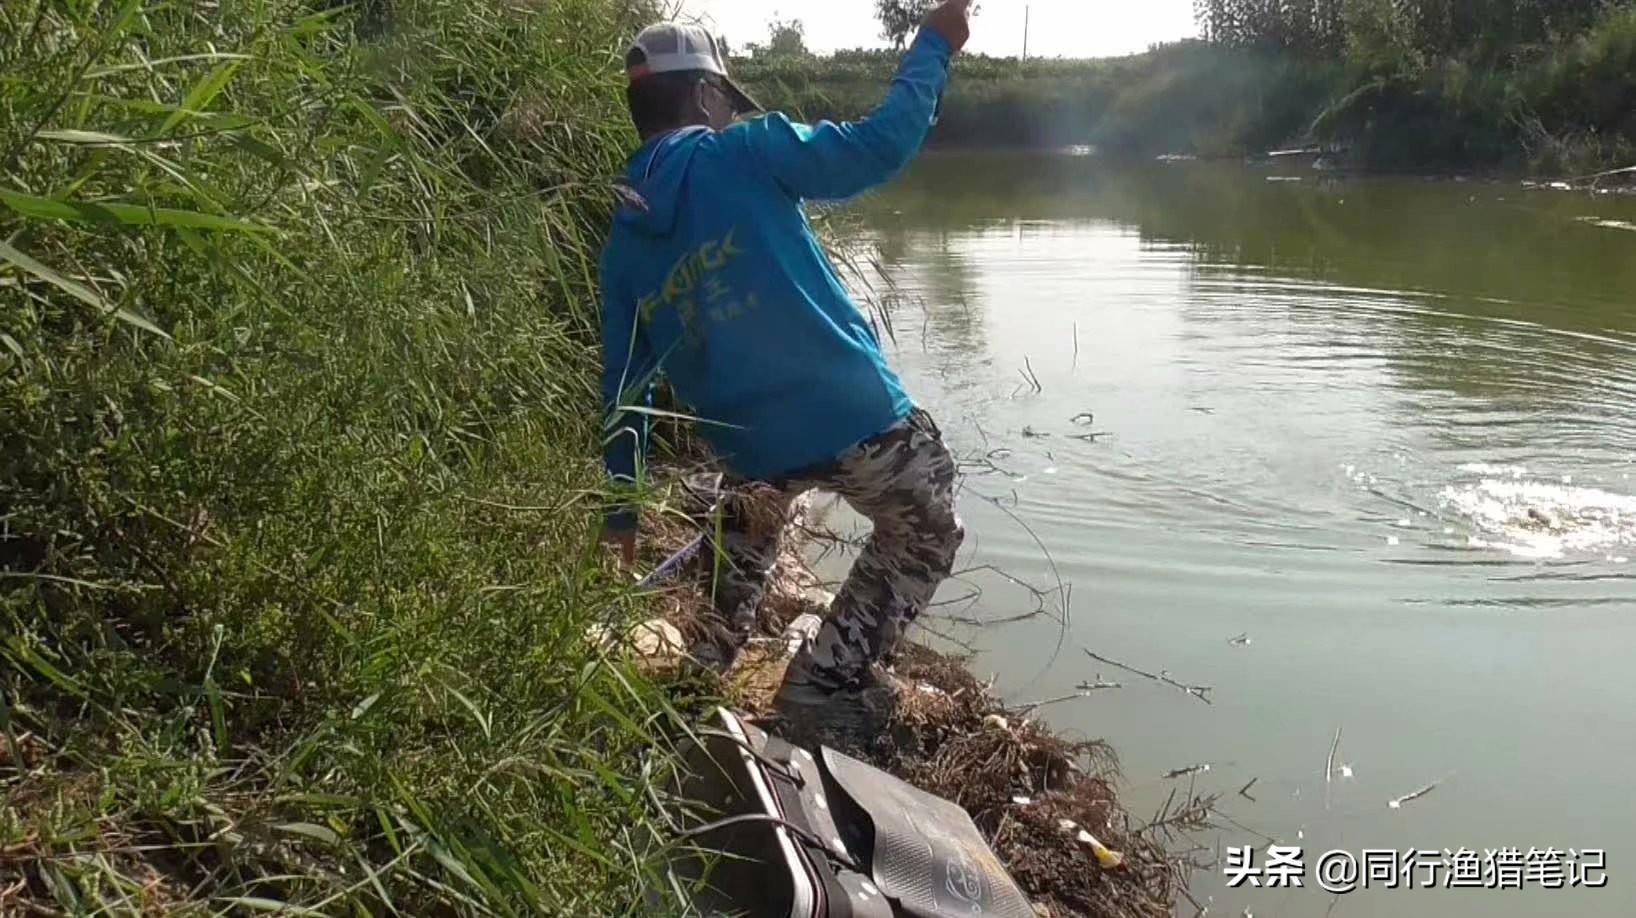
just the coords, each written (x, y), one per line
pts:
(296, 520)
(1558, 96)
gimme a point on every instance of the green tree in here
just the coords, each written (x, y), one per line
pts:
(900, 17)
(786, 37)
(1432, 28)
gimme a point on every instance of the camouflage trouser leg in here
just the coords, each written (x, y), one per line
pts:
(746, 549)
(903, 481)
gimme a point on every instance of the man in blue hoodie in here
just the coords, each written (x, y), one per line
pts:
(712, 273)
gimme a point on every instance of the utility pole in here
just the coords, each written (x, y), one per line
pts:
(1026, 11)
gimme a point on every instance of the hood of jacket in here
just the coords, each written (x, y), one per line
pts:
(653, 181)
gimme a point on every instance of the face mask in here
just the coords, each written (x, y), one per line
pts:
(710, 94)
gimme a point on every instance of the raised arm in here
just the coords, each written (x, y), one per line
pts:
(829, 160)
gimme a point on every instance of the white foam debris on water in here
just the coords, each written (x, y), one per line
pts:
(1485, 468)
(1050, 470)
(1405, 523)
(1607, 224)
(1392, 540)
(1541, 519)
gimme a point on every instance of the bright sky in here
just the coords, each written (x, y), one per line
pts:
(1057, 28)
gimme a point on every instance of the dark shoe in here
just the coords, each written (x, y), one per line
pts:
(847, 718)
(717, 646)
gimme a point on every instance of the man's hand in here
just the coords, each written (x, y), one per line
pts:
(624, 542)
(952, 20)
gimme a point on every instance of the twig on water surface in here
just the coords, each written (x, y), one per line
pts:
(1329, 766)
(1199, 911)
(1200, 768)
(1076, 346)
(1064, 593)
(1085, 691)
(985, 464)
(980, 431)
(1244, 828)
(1087, 419)
(1245, 790)
(1201, 692)
(1193, 813)
(1396, 803)
(1032, 379)
(968, 600)
(1040, 597)
(1242, 639)
(991, 622)
(965, 646)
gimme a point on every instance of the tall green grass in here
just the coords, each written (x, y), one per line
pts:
(297, 501)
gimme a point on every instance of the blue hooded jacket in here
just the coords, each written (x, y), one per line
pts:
(715, 275)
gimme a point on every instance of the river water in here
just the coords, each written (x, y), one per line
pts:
(1366, 465)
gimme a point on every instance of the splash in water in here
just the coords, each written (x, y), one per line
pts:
(1541, 519)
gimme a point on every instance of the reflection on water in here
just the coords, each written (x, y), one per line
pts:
(1384, 430)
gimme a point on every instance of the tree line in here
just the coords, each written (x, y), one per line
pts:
(1428, 27)
(1420, 85)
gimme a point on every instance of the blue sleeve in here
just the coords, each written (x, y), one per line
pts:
(829, 161)
(628, 371)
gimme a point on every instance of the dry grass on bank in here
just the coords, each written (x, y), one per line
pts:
(1031, 792)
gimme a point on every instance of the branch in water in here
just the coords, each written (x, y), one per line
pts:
(1329, 766)
(1085, 691)
(1397, 802)
(1201, 692)
(1030, 377)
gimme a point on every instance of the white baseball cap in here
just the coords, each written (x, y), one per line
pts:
(670, 47)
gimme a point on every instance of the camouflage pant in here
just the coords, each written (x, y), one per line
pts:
(903, 481)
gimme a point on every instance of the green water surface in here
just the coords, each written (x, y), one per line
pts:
(1381, 431)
